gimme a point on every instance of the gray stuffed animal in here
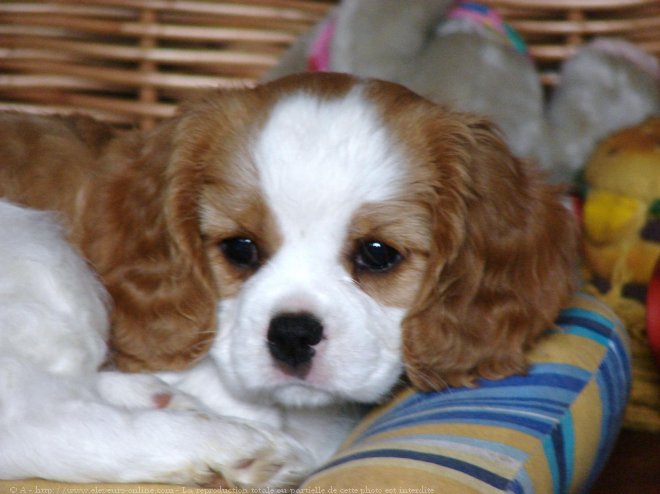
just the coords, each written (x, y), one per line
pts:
(439, 50)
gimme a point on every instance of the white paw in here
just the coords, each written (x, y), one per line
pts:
(142, 391)
(247, 457)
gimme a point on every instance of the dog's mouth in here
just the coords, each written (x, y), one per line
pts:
(305, 384)
(297, 373)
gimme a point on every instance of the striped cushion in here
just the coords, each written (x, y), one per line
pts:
(546, 432)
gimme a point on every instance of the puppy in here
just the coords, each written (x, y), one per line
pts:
(272, 256)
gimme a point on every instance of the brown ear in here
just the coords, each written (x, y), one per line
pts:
(501, 266)
(148, 250)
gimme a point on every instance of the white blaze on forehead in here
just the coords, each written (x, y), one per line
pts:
(318, 161)
(324, 158)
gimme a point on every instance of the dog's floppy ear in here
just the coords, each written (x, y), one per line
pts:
(148, 251)
(502, 262)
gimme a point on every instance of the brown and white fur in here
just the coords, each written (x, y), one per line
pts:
(272, 256)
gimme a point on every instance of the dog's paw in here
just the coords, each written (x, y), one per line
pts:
(142, 391)
(247, 457)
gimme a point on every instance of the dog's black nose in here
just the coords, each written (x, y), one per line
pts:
(291, 338)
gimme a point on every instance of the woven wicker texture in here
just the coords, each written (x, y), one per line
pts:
(553, 29)
(130, 61)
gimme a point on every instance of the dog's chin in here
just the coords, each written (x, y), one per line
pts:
(302, 395)
(305, 393)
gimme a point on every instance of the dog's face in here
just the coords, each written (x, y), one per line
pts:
(354, 231)
(316, 275)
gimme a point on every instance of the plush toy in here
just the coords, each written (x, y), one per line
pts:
(621, 214)
(621, 220)
(464, 55)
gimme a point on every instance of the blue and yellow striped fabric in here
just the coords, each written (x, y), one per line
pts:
(549, 431)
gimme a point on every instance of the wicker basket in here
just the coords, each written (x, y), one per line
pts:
(130, 61)
(553, 29)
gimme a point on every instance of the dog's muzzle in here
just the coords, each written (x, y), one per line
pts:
(292, 337)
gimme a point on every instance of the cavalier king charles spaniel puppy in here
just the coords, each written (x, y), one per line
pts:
(226, 290)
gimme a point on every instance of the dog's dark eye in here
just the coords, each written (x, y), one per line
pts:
(376, 256)
(241, 252)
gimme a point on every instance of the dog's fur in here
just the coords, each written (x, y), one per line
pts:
(406, 238)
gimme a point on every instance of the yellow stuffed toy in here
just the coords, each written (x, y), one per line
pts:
(622, 209)
(621, 228)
